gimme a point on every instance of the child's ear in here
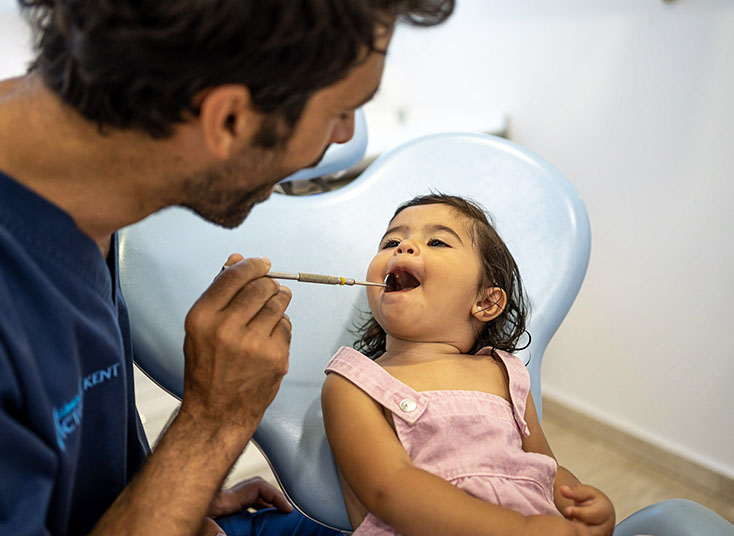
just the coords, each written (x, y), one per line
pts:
(491, 305)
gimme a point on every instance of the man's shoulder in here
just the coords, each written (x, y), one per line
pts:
(11, 267)
(8, 262)
(12, 333)
(11, 241)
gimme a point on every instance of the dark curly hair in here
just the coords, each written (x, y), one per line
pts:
(132, 64)
(498, 270)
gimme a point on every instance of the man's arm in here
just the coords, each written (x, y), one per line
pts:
(236, 348)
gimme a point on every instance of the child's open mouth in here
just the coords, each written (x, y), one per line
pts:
(399, 281)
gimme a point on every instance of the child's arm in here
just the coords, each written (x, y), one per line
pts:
(572, 498)
(378, 470)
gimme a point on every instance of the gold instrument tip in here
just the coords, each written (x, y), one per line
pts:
(369, 284)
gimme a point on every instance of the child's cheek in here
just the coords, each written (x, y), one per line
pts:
(376, 269)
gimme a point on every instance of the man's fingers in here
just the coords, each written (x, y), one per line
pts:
(250, 493)
(236, 343)
(271, 313)
(260, 295)
(234, 258)
(272, 495)
(284, 328)
(235, 499)
(210, 528)
(230, 281)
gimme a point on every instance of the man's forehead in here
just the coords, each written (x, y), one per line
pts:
(363, 81)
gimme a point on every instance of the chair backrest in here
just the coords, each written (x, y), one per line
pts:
(171, 257)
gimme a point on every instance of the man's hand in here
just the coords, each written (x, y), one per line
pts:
(252, 493)
(236, 346)
(591, 507)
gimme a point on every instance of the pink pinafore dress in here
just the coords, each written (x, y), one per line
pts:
(470, 438)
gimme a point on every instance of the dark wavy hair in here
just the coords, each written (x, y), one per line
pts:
(133, 64)
(498, 270)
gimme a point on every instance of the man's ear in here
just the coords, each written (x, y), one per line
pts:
(490, 305)
(226, 117)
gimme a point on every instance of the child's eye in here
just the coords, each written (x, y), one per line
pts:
(435, 242)
(389, 243)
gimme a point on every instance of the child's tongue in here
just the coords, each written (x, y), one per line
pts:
(399, 280)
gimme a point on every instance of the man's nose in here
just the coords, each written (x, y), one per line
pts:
(344, 130)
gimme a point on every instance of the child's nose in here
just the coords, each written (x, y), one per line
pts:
(408, 247)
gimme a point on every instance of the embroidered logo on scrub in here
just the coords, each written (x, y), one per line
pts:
(68, 417)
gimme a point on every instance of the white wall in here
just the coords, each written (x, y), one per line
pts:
(634, 101)
(14, 40)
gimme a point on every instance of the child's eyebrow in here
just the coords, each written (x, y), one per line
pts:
(430, 228)
(393, 230)
(438, 227)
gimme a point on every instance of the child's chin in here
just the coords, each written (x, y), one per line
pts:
(405, 329)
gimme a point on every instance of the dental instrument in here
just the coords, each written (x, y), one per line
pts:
(323, 279)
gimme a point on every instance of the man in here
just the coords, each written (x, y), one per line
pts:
(131, 107)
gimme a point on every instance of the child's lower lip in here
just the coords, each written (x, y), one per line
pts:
(399, 291)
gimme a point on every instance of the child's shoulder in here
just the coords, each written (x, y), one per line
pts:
(499, 354)
(347, 357)
(354, 366)
(514, 365)
(343, 373)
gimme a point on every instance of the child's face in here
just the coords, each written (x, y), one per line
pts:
(433, 273)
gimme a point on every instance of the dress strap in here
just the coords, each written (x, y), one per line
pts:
(519, 385)
(403, 401)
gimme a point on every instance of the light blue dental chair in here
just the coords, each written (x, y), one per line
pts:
(339, 156)
(170, 258)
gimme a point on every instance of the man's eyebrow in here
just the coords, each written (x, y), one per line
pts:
(367, 98)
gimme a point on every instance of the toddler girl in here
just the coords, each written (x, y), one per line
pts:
(432, 425)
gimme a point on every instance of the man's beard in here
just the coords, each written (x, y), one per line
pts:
(229, 214)
(319, 159)
(214, 194)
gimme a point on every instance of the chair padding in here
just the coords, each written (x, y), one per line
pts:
(171, 257)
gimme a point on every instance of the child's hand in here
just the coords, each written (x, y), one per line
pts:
(591, 507)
